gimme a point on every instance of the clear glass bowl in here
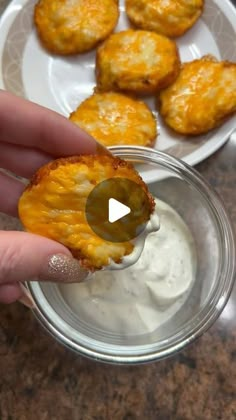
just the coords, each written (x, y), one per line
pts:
(183, 188)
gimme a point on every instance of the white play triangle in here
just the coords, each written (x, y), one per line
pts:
(116, 210)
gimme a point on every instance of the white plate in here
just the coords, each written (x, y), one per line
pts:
(61, 83)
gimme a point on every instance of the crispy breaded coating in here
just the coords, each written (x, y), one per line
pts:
(74, 26)
(136, 61)
(168, 17)
(54, 205)
(201, 98)
(116, 119)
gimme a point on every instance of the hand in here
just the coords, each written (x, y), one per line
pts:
(30, 136)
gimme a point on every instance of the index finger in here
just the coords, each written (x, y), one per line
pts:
(27, 124)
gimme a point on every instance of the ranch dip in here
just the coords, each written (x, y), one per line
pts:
(138, 299)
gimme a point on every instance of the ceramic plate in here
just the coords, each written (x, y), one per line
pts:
(60, 83)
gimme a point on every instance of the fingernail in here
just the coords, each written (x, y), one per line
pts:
(102, 150)
(61, 268)
(26, 298)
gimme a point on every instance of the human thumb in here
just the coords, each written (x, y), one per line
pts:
(25, 256)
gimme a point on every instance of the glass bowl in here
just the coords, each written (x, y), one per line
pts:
(187, 192)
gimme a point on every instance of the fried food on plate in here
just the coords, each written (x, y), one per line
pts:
(71, 27)
(201, 98)
(136, 61)
(54, 205)
(116, 119)
(168, 17)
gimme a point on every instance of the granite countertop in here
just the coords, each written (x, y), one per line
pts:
(41, 380)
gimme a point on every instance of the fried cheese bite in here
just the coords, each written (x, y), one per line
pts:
(116, 119)
(168, 17)
(201, 98)
(136, 61)
(54, 205)
(71, 27)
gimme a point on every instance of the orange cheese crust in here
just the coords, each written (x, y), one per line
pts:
(136, 61)
(54, 203)
(201, 98)
(71, 27)
(115, 119)
(168, 17)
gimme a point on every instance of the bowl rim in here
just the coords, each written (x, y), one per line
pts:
(206, 316)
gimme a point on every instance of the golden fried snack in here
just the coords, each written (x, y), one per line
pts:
(54, 205)
(136, 61)
(70, 27)
(168, 17)
(116, 119)
(201, 98)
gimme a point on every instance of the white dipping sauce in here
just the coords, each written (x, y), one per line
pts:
(140, 298)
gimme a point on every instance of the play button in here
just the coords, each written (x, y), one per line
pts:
(117, 209)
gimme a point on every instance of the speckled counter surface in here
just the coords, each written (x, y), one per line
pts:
(41, 380)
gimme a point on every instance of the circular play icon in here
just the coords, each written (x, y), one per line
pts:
(117, 209)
